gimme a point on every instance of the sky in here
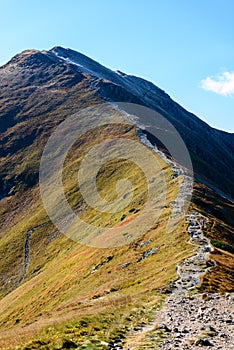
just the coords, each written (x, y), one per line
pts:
(186, 47)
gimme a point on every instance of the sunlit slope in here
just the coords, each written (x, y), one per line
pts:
(60, 282)
(84, 293)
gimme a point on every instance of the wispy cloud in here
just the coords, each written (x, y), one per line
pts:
(223, 84)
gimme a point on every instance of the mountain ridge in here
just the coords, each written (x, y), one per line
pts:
(112, 86)
(66, 53)
(56, 293)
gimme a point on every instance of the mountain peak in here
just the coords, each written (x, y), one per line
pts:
(65, 68)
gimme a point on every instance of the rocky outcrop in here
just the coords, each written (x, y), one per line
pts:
(105, 261)
(26, 252)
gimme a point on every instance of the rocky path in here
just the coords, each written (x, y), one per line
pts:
(189, 273)
(192, 322)
(191, 269)
(188, 322)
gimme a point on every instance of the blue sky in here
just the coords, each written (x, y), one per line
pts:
(186, 47)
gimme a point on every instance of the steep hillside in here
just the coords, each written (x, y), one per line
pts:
(28, 75)
(56, 293)
(209, 157)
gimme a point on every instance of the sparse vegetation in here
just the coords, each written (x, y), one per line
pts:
(224, 246)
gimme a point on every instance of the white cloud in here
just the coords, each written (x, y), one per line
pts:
(223, 84)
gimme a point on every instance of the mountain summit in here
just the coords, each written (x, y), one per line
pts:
(32, 72)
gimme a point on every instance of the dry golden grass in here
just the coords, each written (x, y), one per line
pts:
(61, 296)
(60, 287)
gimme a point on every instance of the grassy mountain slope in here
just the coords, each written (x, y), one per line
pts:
(69, 293)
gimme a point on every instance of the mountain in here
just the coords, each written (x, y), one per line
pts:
(56, 292)
(60, 68)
